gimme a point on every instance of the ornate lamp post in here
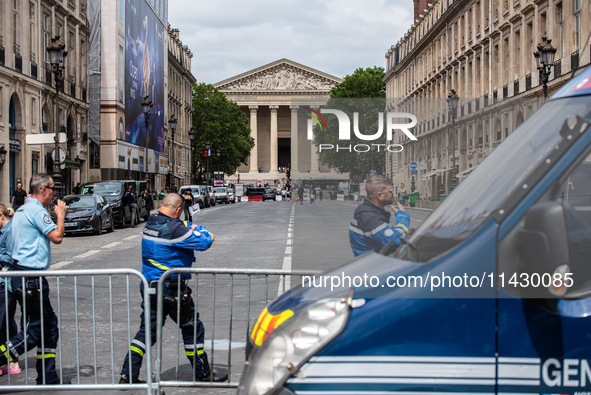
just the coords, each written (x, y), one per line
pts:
(218, 154)
(146, 109)
(192, 138)
(452, 102)
(207, 147)
(172, 126)
(544, 61)
(56, 58)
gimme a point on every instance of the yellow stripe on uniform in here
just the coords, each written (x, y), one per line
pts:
(41, 356)
(137, 350)
(5, 353)
(402, 227)
(153, 262)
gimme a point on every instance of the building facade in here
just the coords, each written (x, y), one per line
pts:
(27, 90)
(274, 97)
(129, 62)
(180, 104)
(482, 49)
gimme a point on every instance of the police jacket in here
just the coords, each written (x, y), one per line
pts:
(169, 243)
(370, 228)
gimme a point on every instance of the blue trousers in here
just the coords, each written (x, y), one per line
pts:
(193, 346)
(30, 334)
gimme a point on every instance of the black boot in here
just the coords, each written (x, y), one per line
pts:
(134, 380)
(218, 375)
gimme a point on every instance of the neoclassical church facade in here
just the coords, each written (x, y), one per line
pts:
(275, 98)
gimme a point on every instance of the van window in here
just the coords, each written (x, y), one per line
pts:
(574, 192)
(493, 181)
(108, 189)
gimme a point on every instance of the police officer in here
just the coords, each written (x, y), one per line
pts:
(370, 227)
(170, 243)
(32, 231)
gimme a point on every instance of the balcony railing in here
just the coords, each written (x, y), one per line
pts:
(486, 100)
(574, 60)
(505, 91)
(528, 82)
(34, 70)
(495, 96)
(515, 87)
(557, 68)
(18, 63)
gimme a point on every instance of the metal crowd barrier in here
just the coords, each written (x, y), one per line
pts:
(93, 339)
(228, 302)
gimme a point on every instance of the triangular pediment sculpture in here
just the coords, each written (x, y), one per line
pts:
(282, 75)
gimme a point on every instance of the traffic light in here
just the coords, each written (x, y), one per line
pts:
(288, 175)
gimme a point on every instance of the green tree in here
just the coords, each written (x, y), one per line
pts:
(363, 92)
(219, 121)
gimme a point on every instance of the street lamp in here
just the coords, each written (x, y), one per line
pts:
(56, 58)
(172, 126)
(147, 109)
(218, 154)
(452, 102)
(192, 138)
(544, 61)
(207, 147)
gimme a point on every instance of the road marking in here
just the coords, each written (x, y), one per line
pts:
(287, 250)
(287, 263)
(289, 241)
(112, 244)
(59, 265)
(289, 235)
(87, 254)
(132, 237)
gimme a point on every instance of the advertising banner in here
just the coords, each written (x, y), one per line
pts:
(145, 55)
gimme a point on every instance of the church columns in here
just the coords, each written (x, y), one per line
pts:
(294, 139)
(273, 145)
(254, 164)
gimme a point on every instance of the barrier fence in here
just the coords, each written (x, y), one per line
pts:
(98, 315)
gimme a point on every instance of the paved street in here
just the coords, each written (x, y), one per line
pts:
(248, 235)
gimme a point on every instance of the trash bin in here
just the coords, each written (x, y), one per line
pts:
(442, 197)
(414, 196)
(161, 195)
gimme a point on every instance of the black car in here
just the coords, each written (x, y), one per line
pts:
(269, 194)
(88, 213)
(114, 193)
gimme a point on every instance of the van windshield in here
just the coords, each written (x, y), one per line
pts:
(493, 181)
(108, 189)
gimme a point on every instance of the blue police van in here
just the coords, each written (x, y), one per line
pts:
(490, 295)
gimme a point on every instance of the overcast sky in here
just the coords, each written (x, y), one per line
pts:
(229, 37)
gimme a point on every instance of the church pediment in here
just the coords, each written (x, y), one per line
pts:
(282, 75)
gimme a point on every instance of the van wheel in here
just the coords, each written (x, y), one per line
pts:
(99, 228)
(111, 227)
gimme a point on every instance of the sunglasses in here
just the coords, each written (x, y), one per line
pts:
(52, 188)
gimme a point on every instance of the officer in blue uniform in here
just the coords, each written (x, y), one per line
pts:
(32, 231)
(170, 243)
(370, 227)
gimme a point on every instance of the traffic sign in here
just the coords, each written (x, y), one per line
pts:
(62, 155)
(372, 172)
(413, 165)
(413, 171)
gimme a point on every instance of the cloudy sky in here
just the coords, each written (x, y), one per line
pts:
(229, 37)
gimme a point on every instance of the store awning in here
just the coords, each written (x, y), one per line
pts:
(71, 164)
(465, 173)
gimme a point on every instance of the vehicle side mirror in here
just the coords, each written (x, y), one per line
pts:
(543, 242)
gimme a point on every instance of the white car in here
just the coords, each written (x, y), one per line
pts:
(231, 196)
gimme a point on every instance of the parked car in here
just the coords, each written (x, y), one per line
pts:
(269, 194)
(231, 196)
(207, 196)
(211, 194)
(87, 213)
(197, 197)
(114, 194)
(221, 194)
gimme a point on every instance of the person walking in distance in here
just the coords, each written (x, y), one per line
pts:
(33, 230)
(170, 243)
(188, 197)
(19, 196)
(301, 194)
(131, 202)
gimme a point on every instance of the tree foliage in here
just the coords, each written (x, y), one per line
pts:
(363, 92)
(219, 121)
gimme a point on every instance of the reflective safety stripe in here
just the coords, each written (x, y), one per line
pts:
(5, 353)
(137, 350)
(139, 344)
(48, 355)
(158, 265)
(403, 227)
(191, 346)
(192, 353)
